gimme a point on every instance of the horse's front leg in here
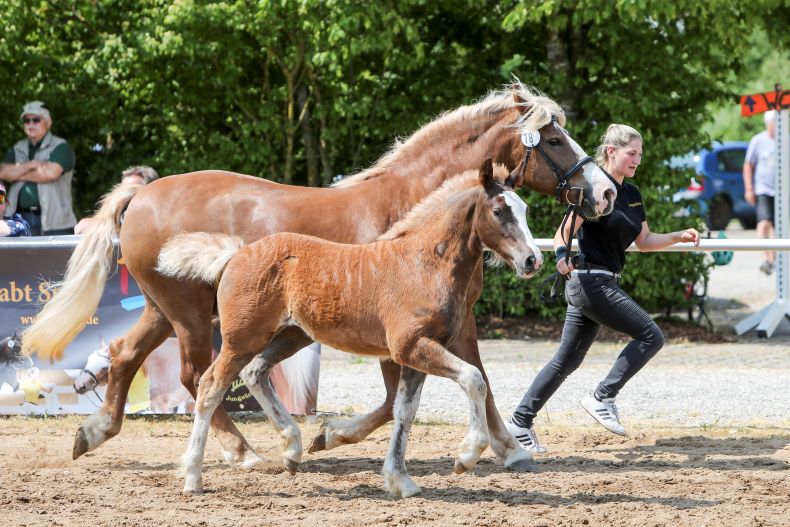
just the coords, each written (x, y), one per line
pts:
(347, 431)
(396, 479)
(127, 355)
(429, 356)
(503, 444)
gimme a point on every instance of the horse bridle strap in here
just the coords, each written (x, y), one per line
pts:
(562, 177)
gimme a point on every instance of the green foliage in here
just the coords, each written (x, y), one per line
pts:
(301, 90)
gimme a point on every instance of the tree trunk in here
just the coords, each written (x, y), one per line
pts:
(308, 138)
(557, 53)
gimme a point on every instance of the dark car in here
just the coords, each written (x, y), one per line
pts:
(718, 185)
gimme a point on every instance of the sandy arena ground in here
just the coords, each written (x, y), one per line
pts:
(660, 477)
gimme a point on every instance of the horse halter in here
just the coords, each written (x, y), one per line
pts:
(533, 142)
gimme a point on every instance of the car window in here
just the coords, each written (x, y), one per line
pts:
(730, 160)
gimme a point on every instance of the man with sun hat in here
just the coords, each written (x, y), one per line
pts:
(40, 169)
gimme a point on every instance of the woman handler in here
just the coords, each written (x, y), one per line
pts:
(595, 297)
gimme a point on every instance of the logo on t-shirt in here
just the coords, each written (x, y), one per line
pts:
(635, 204)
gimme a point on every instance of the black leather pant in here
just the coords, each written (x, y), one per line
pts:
(594, 300)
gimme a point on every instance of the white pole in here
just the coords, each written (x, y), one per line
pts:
(767, 318)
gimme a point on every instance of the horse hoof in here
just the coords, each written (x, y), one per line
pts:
(459, 468)
(319, 442)
(291, 465)
(80, 444)
(410, 490)
(192, 492)
(524, 465)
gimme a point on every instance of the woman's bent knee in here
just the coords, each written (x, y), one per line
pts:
(653, 339)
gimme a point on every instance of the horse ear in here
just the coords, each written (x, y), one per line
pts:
(520, 101)
(487, 172)
(516, 177)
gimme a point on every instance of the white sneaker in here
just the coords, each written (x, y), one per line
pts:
(605, 412)
(526, 437)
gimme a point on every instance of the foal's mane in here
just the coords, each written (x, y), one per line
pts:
(435, 204)
(540, 111)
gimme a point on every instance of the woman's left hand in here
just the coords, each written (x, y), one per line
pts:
(689, 235)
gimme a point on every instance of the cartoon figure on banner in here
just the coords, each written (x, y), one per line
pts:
(155, 387)
(19, 380)
(11, 361)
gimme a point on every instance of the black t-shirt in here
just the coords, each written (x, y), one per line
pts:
(604, 241)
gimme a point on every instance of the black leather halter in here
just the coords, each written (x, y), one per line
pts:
(562, 177)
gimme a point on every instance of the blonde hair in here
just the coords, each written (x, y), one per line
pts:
(617, 136)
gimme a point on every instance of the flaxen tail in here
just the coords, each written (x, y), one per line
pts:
(78, 295)
(198, 255)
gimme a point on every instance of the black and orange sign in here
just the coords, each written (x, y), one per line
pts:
(762, 102)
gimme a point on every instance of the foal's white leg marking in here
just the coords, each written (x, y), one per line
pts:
(209, 397)
(256, 376)
(477, 438)
(193, 459)
(396, 479)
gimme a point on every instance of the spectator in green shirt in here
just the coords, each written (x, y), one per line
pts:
(40, 169)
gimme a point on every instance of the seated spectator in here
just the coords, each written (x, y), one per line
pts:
(14, 225)
(137, 175)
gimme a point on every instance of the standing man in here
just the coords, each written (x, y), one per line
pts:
(758, 182)
(40, 169)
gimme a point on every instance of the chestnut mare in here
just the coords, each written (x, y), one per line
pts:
(403, 298)
(357, 210)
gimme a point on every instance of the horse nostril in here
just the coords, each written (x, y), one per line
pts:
(609, 196)
(530, 263)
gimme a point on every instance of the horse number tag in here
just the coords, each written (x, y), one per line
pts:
(530, 137)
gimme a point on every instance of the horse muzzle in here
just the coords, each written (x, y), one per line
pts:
(85, 382)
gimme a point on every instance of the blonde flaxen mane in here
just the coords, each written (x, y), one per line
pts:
(540, 111)
(434, 203)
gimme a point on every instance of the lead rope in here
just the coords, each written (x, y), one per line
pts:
(556, 279)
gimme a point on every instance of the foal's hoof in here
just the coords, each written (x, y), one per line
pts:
(459, 468)
(291, 465)
(319, 441)
(524, 465)
(81, 445)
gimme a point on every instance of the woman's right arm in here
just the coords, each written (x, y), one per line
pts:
(564, 234)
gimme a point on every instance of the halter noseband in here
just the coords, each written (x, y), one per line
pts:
(562, 177)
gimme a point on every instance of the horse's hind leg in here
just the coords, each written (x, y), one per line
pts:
(396, 479)
(213, 385)
(188, 307)
(503, 444)
(256, 376)
(194, 339)
(336, 432)
(127, 353)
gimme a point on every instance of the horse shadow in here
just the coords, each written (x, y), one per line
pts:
(456, 494)
(686, 452)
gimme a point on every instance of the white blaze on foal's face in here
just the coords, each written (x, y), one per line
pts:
(519, 210)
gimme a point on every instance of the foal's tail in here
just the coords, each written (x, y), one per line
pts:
(198, 255)
(77, 296)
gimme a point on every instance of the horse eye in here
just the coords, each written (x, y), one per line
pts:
(497, 212)
(555, 142)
